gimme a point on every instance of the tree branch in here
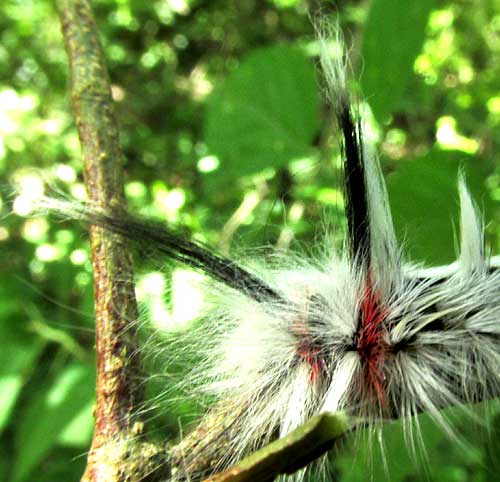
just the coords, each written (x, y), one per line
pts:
(115, 454)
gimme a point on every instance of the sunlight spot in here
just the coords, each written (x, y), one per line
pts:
(208, 163)
(448, 137)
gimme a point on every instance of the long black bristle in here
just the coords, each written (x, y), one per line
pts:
(157, 237)
(357, 213)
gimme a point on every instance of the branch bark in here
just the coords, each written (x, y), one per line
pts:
(116, 454)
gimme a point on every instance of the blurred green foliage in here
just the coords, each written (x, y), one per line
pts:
(224, 132)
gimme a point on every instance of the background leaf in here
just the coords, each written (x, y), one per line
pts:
(18, 351)
(426, 212)
(461, 461)
(265, 114)
(393, 37)
(51, 414)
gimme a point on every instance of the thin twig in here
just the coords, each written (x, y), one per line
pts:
(290, 453)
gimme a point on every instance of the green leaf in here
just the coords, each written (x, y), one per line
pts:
(439, 458)
(78, 432)
(393, 37)
(264, 114)
(64, 465)
(424, 202)
(10, 387)
(18, 353)
(4, 462)
(52, 415)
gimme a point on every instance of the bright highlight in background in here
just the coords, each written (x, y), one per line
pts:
(30, 187)
(186, 298)
(448, 137)
(208, 163)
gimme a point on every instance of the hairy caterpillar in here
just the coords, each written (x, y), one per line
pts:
(359, 331)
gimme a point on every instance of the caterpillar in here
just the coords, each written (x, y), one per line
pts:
(359, 331)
